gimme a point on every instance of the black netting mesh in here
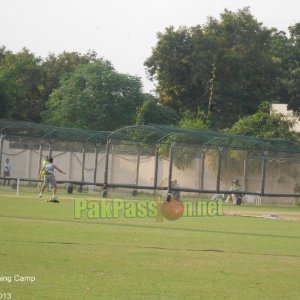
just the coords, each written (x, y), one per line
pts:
(148, 134)
(139, 155)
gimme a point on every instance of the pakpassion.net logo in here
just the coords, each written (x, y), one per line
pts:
(171, 210)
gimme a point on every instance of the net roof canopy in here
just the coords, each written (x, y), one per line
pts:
(42, 131)
(149, 134)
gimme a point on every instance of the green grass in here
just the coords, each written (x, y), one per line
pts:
(225, 257)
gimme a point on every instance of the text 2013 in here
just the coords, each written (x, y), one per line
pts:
(5, 296)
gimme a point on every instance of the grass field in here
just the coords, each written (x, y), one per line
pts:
(222, 257)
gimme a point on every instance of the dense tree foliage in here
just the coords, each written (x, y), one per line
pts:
(294, 90)
(69, 89)
(265, 124)
(225, 68)
(20, 86)
(55, 67)
(294, 83)
(155, 113)
(208, 76)
(26, 81)
(195, 120)
(95, 96)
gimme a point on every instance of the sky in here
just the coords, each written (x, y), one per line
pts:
(121, 31)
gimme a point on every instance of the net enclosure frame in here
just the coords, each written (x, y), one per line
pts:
(153, 139)
(49, 134)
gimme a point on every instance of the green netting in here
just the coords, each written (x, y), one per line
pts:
(33, 130)
(148, 134)
(212, 138)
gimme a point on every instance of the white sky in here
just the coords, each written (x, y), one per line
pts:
(121, 31)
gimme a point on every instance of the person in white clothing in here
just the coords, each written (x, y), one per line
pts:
(234, 187)
(50, 178)
(6, 172)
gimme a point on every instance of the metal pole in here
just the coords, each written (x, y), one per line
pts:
(83, 162)
(171, 155)
(106, 169)
(40, 156)
(202, 168)
(96, 162)
(134, 192)
(245, 170)
(29, 159)
(219, 168)
(2, 137)
(263, 175)
(50, 147)
(156, 168)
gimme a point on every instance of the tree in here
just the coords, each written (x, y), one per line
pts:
(195, 120)
(155, 113)
(294, 83)
(4, 104)
(265, 124)
(54, 67)
(170, 66)
(223, 68)
(95, 96)
(20, 86)
(281, 55)
(294, 91)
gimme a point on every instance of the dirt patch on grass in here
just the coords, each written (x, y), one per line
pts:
(277, 215)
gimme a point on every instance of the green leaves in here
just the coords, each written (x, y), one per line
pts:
(294, 91)
(20, 86)
(250, 62)
(264, 124)
(152, 112)
(95, 96)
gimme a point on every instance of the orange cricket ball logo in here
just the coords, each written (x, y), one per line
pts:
(172, 210)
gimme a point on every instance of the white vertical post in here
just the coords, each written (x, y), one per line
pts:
(91, 189)
(29, 161)
(18, 186)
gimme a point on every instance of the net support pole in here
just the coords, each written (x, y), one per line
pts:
(29, 161)
(83, 162)
(245, 170)
(219, 169)
(137, 173)
(50, 147)
(40, 156)
(263, 173)
(171, 157)
(2, 137)
(202, 162)
(156, 168)
(96, 162)
(106, 169)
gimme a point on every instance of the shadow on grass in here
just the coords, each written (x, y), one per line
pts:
(155, 227)
(155, 248)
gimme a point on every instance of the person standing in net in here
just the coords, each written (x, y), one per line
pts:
(234, 187)
(50, 178)
(6, 171)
